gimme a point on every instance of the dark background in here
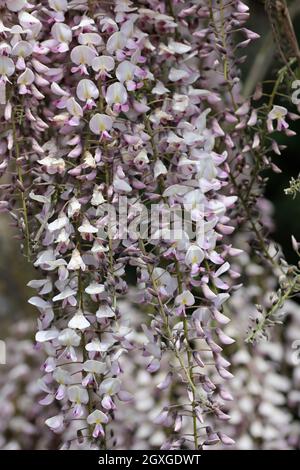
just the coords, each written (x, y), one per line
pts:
(286, 209)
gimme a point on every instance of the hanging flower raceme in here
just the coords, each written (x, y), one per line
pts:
(124, 103)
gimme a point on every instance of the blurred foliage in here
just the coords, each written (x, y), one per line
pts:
(286, 208)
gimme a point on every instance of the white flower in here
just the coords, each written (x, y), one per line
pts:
(26, 78)
(278, 113)
(159, 169)
(186, 299)
(22, 49)
(178, 47)
(193, 203)
(88, 39)
(63, 237)
(164, 281)
(94, 367)
(65, 294)
(58, 5)
(98, 247)
(86, 90)
(180, 102)
(58, 224)
(78, 395)
(30, 23)
(194, 255)
(96, 346)
(110, 386)
(76, 261)
(97, 417)
(121, 184)
(62, 33)
(46, 335)
(68, 337)
(103, 64)
(176, 190)
(116, 94)
(82, 55)
(7, 66)
(125, 71)
(100, 123)
(206, 167)
(105, 311)
(45, 257)
(73, 207)
(89, 160)
(74, 108)
(117, 41)
(53, 165)
(62, 376)
(177, 74)
(141, 158)
(39, 303)
(57, 90)
(78, 321)
(55, 423)
(87, 227)
(85, 22)
(159, 89)
(97, 197)
(94, 288)
(15, 5)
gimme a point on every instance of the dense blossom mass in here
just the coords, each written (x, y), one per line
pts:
(135, 106)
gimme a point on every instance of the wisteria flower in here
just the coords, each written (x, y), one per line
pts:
(103, 65)
(78, 321)
(79, 396)
(88, 92)
(129, 160)
(70, 340)
(21, 49)
(186, 299)
(278, 113)
(101, 124)
(83, 57)
(76, 261)
(109, 387)
(93, 369)
(25, 80)
(56, 423)
(116, 97)
(62, 34)
(63, 378)
(97, 418)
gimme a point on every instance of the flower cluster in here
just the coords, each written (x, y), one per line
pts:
(22, 417)
(137, 101)
(266, 375)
